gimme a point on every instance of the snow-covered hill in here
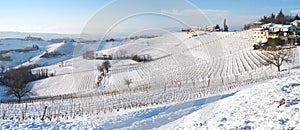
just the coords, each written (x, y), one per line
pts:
(254, 107)
(205, 80)
(20, 51)
(45, 36)
(250, 107)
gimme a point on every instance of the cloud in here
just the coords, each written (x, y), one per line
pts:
(295, 11)
(252, 18)
(190, 12)
(186, 12)
(214, 11)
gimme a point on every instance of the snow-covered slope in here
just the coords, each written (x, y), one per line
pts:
(255, 107)
(63, 51)
(192, 83)
(178, 57)
(251, 107)
(16, 50)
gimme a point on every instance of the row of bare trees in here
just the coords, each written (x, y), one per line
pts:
(103, 70)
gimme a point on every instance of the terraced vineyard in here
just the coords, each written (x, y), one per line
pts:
(213, 65)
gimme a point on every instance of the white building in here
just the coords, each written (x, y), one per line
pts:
(296, 23)
(260, 34)
(271, 30)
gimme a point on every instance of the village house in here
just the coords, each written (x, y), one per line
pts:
(192, 30)
(258, 24)
(260, 34)
(202, 28)
(207, 28)
(296, 23)
(272, 30)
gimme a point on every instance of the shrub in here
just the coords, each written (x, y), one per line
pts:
(51, 55)
(141, 58)
(88, 55)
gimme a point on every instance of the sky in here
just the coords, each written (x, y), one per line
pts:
(102, 16)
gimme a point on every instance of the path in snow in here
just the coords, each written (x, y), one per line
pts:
(154, 117)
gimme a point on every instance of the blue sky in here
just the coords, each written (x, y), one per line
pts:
(77, 16)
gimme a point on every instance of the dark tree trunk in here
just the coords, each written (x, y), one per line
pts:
(19, 99)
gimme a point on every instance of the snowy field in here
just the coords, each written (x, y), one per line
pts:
(250, 107)
(254, 107)
(196, 81)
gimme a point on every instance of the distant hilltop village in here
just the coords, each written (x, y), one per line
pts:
(216, 28)
(27, 38)
(30, 38)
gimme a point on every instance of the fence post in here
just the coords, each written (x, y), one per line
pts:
(44, 113)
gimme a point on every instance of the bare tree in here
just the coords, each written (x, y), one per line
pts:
(100, 68)
(277, 58)
(88, 55)
(106, 65)
(18, 89)
(128, 82)
(2, 69)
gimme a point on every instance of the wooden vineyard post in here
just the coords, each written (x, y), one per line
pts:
(89, 109)
(208, 86)
(222, 85)
(45, 109)
(24, 112)
(58, 115)
(3, 116)
(236, 78)
(199, 88)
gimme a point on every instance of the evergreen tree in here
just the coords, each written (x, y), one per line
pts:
(225, 26)
(297, 17)
(247, 26)
(272, 18)
(217, 27)
(264, 19)
(280, 18)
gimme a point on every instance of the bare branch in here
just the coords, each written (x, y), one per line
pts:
(277, 57)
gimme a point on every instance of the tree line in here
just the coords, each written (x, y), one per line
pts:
(280, 18)
(17, 78)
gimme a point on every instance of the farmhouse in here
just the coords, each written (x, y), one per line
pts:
(258, 24)
(202, 28)
(296, 23)
(294, 29)
(260, 34)
(272, 30)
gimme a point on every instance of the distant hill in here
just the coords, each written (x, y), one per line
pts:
(46, 36)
